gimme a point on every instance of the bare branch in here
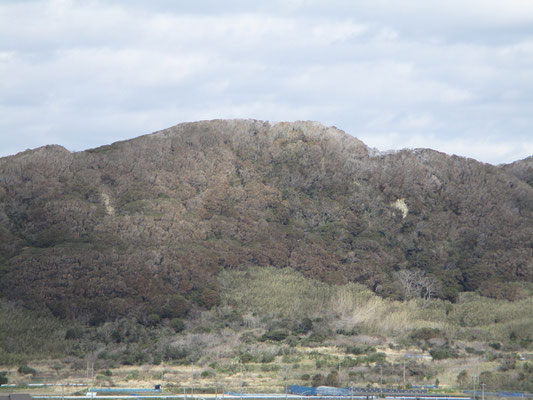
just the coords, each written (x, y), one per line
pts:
(416, 283)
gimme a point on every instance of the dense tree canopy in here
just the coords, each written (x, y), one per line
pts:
(144, 226)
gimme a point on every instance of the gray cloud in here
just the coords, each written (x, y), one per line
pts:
(396, 74)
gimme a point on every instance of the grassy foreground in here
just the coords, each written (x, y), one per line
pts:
(275, 327)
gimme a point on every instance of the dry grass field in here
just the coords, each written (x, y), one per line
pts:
(276, 328)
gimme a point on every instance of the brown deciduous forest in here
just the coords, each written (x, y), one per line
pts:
(145, 226)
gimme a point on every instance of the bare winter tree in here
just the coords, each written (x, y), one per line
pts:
(416, 283)
(409, 280)
(429, 288)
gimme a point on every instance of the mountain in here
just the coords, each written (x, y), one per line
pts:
(522, 169)
(145, 225)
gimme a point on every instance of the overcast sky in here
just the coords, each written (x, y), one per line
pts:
(454, 75)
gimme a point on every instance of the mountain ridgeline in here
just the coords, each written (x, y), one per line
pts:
(146, 225)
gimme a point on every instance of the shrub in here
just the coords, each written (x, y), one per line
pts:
(425, 334)
(209, 298)
(471, 350)
(270, 368)
(354, 350)
(276, 336)
(133, 375)
(175, 307)
(74, 333)
(246, 358)
(117, 336)
(442, 353)
(134, 357)
(156, 359)
(375, 357)
(152, 319)
(291, 341)
(305, 377)
(267, 358)
(420, 370)
(305, 326)
(57, 366)
(290, 358)
(495, 345)
(26, 370)
(318, 380)
(175, 353)
(317, 337)
(177, 324)
(3, 378)
(507, 364)
(525, 342)
(333, 378)
(349, 362)
(351, 332)
(463, 379)
(248, 338)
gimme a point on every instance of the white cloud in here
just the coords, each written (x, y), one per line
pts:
(84, 73)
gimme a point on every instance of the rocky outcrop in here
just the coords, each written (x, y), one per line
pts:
(145, 225)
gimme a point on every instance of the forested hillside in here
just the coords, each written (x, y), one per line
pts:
(145, 226)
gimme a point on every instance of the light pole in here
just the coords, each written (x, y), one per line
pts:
(381, 379)
(286, 381)
(404, 374)
(242, 377)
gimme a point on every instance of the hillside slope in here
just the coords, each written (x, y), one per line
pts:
(522, 169)
(145, 225)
